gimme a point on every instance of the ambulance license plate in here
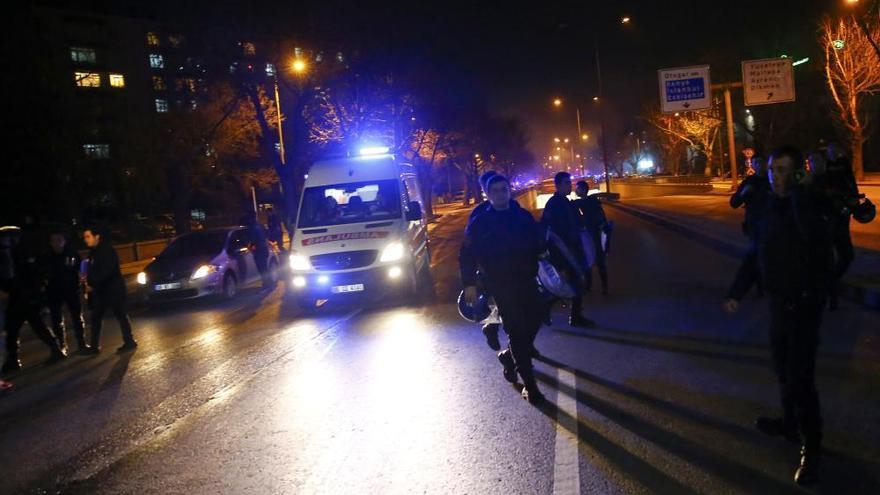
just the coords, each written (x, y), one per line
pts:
(175, 285)
(342, 289)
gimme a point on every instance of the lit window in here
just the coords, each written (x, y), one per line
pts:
(152, 39)
(270, 70)
(117, 80)
(319, 57)
(82, 54)
(193, 104)
(161, 105)
(185, 84)
(248, 48)
(87, 79)
(339, 57)
(297, 52)
(97, 150)
(175, 40)
(159, 83)
(233, 67)
(157, 61)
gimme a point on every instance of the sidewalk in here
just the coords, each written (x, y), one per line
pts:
(709, 220)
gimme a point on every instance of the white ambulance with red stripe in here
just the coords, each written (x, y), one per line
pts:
(360, 230)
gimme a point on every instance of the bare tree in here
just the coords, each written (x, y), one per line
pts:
(697, 129)
(853, 76)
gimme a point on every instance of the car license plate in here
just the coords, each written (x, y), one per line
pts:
(340, 289)
(175, 285)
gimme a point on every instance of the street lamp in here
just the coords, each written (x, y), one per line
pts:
(557, 102)
(299, 66)
(555, 140)
(625, 20)
(584, 137)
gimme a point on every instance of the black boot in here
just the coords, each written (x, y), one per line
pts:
(530, 391)
(58, 354)
(509, 370)
(490, 330)
(808, 471)
(777, 427)
(127, 347)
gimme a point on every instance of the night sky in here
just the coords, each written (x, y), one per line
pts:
(524, 54)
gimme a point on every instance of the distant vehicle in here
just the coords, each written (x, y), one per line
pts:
(208, 262)
(360, 230)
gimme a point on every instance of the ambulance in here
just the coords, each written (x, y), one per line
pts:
(360, 230)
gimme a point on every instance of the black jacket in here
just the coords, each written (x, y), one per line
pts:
(564, 219)
(483, 207)
(503, 245)
(592, 214)
(104, 276)
(754, 199)
(29, 280)
(795, 257)
(63, 270)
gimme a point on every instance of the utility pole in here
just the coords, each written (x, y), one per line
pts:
(731, 143)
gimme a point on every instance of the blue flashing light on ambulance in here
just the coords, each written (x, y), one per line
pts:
(360, 230)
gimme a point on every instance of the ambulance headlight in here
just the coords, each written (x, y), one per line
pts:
(142, 278)
(299, 262)
(392, 252)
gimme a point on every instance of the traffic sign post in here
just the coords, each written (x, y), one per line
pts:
(767, 81)
(685, 89)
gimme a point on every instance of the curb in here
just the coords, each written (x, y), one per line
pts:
(864, 296)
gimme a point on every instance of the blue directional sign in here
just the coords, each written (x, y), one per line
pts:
(685, 88)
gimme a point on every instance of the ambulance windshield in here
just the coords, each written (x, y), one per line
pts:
(354, 202)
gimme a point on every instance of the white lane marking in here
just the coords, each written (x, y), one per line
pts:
(566, 469)
(220, 396)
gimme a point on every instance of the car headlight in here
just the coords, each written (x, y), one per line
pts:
(142, 278)
(392, 252)
(203, 271)
(299, 262)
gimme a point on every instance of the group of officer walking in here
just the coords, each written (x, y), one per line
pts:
(797, 216)
(53, 275)
(797, 222)
(499, 259)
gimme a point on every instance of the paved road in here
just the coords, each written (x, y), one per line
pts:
(255, 398)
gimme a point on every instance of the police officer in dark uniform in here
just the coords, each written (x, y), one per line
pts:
(63, 289)
(26, 297)
(594, 221)
(260, 252)
(106, 290)
(504, 243)
(795, 261)
(835, 184)
(490, 330)
(564, 220)
(752, 194)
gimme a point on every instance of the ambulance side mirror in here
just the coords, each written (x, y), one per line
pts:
(414, 211)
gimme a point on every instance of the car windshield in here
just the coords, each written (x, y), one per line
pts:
(354, 202)
(195, 244)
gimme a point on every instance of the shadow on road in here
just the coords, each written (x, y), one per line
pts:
(840, 469)
(749, 479)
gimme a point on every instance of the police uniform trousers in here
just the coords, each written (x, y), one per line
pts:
(71, 299)
(794, 341)
(520, 307)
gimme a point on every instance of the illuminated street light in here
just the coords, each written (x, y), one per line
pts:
(299, 66)
(625, 20)
(557, 102)
(555, 140)
(595, 98)
(584, 137)
(566, 140)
